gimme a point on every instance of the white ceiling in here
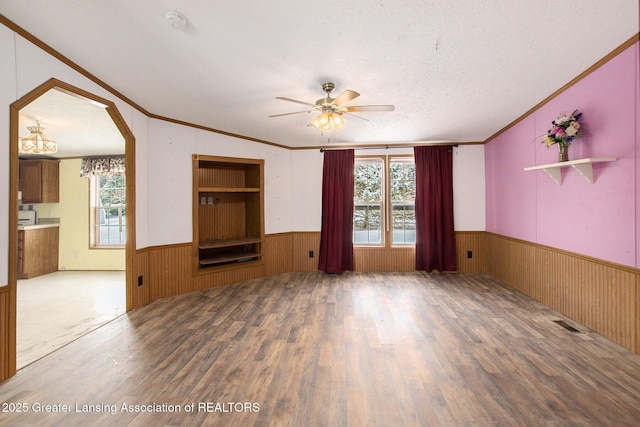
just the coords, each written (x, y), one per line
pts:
(455, 70)
(79, 127)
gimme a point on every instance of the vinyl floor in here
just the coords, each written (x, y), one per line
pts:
(310, 349)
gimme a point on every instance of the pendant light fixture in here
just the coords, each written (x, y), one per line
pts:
(37, 142)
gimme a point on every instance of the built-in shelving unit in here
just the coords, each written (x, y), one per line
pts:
(583, 166)
(228, 210)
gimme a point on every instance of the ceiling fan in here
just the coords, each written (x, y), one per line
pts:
(332, 109)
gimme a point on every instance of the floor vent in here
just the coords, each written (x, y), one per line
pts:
(565, 325)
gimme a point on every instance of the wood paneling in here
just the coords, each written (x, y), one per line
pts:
(165, 270)
(140, 295)
(224, 218)
(170, 271)
(5, 333)
(638, 313)
(396, 259)
(278, 253)
(510, 262)
(303, 242)
(597, 294)
(384, 259)
(476, 242)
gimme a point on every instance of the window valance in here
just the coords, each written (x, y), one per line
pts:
(102, 166)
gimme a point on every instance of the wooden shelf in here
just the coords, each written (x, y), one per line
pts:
(228, 213)
(228, 190)
(226, 243)
(583, 166)
(229, 257)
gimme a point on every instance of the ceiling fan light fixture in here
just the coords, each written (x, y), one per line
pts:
(37, 142)
(331, 109)
(326, 121)
(337, 121)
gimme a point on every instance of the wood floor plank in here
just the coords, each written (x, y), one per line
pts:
(310, 349)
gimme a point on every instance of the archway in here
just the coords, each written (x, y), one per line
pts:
(8, 356)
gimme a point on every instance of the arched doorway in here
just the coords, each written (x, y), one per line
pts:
(8, 358)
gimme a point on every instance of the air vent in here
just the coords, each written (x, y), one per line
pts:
(565, 325)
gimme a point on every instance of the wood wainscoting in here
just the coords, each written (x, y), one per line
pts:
(277, 251)
(387, 260)
(471, 251)
(7, 323)
(165, 271)
(600, 295)
(140, 292)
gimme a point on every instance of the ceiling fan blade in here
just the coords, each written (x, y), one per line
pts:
(288, 114)
(371, 108)
(294, 100)
(345, 97)
(353, 115)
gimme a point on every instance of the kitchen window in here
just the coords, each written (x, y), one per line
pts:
(108, 212)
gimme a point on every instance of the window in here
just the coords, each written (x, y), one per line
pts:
(403, 195)
(367, 197)
(384, 202)
(108, 211)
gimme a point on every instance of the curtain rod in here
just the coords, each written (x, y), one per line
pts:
(386, 147)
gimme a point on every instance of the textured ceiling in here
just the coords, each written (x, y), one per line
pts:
(79, 127)
(455, 70)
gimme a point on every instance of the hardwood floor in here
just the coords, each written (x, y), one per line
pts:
(309, 349)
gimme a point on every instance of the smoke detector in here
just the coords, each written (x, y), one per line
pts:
(176, 20)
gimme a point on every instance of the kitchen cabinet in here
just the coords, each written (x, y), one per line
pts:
(37, 250)
(40, 181)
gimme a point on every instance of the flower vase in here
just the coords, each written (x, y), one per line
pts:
(563, 153)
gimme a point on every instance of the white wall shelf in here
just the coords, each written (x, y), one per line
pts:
(583, 166)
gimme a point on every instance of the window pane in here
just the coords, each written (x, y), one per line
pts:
(104, 197)
(368, 190)
(368, 180)
(367, 224)
(403, 193)
(110, 215)
(403, 180)
(404, 223)
(111, 228)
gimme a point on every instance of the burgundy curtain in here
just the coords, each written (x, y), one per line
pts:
(336, 235)
(435, 239)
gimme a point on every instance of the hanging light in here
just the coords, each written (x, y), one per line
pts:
(337, 121)
(328, 120)
(37, 142)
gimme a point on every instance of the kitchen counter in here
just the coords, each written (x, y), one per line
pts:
(37, 226)
(41, 223)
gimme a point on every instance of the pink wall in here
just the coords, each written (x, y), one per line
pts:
(600, 219)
